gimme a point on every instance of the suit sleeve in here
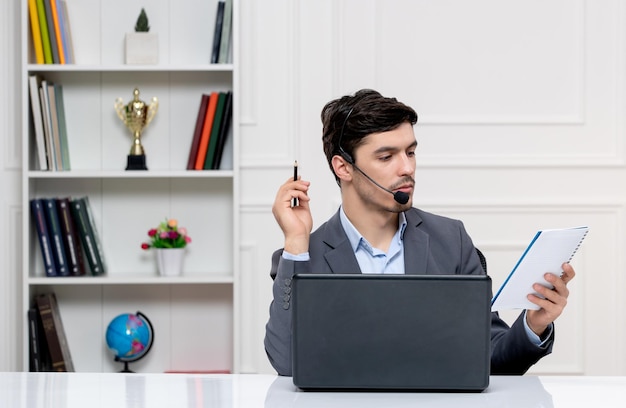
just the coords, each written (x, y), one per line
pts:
(278, 328)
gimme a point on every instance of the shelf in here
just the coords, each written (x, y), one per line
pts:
(132, 280)
(129, 68)
(121, 174)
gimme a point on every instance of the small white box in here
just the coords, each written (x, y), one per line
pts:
(142, 48)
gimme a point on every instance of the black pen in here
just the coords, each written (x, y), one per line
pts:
(294, 201)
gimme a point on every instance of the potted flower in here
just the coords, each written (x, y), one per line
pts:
(142, 47)
(169, 240)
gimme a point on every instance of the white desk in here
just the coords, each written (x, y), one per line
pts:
(79, 390)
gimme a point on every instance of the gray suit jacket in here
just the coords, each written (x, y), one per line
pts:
(432, 245)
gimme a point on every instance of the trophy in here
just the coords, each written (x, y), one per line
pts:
(136, 115)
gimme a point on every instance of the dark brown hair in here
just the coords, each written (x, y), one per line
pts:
(358, 116)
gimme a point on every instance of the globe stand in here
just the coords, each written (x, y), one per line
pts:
(126, 369)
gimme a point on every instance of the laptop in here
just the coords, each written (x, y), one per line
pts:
(391, 332)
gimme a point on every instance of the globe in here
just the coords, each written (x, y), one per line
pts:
(129, 336)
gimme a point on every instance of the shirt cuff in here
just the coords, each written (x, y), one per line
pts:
(532, 336)
(299, 257)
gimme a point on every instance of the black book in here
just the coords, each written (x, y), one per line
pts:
(224, 129)
(85, 225)
(71, 239)
(217, 33)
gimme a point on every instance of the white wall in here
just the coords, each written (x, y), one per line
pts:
(521, 128)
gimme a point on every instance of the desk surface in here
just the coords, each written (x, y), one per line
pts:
(34, 390)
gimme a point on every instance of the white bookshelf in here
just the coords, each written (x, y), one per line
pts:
(194, 315)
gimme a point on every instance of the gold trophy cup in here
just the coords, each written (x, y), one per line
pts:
(136, 115)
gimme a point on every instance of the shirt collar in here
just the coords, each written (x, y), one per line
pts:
(355, 236)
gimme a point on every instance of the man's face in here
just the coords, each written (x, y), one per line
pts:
(389, 159)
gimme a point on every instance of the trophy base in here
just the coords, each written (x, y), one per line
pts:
(136, 162)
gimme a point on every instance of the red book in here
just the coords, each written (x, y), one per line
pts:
(195, 143)
(206, 131)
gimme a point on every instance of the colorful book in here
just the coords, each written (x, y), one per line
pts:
(69, 47)
(62, 127)
(56, 236)
(206, 131)
(41, 226)
(197, 134)
(35, 105)
(51, 33)
(224, 129)
(226, 32)
(71, 239)
(57, 29)
(215, 129)
(35, 30)
(45, 37)
(54, 331)
(217, 32)
(88, 235)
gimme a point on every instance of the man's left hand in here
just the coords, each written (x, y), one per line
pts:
(555, 300)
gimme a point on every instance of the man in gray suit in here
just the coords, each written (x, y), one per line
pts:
(377, 230)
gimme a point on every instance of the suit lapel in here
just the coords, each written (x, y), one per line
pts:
(416, 244)
(340, 256)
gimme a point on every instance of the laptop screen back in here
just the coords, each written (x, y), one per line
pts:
(418, 332)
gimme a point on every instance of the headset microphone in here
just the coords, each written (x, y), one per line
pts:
(400, 196)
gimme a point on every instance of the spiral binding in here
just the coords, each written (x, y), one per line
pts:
(578, 246)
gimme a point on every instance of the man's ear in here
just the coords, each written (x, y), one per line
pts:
(342, 168)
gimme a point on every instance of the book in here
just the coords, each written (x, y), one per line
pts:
(224, 129)
(43, 236)
(68, 33)
(35, 30)
(226, 32)
(47, 125)
(54, 126)
(62, 127)
(206, 131)
(197, 134)
(547, 252)
(81, 212)
(39, 356)
(215, 129)
(51, 33)
(35, 105)
(57, 29)
(71, 240)
(45, 37)
(217, 32)
(56, 236)
(54, 331)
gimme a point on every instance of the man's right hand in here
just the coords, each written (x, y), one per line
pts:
(295, 222)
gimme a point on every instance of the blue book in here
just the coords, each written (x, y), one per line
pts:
(56, 236)
(39, 219)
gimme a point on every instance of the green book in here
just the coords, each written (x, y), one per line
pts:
(81, 211)
(45, 37)
(65, 149)
(215, 131)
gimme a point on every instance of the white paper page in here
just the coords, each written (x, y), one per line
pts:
(546, 253)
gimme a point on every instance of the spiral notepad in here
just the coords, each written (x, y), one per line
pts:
(547, 251)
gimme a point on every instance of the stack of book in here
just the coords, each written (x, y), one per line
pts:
(48, 115)
(220, 53)
(49, 350)
(50, 31)
(67, 236)
(212, 127)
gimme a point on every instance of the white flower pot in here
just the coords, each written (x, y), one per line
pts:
(142, 48)
(170, 261)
